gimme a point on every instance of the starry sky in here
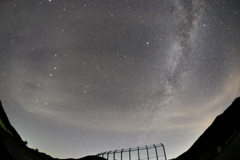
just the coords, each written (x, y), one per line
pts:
(79, 77)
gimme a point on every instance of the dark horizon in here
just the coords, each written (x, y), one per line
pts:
(212, 144)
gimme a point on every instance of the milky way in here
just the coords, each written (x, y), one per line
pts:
(82, 77)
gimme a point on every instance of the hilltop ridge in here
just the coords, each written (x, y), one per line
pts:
(217, 136)
(12, 147)
(220, 140)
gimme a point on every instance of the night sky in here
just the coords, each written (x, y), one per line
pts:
(80, 77)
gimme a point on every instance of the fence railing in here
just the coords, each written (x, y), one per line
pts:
(150, 152)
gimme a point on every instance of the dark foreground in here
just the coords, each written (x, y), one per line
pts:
(220, 141)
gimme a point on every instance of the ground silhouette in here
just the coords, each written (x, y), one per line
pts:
(12, 147)
(220, 140)
(217, 136)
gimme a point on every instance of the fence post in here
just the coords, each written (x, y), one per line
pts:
(121, 153)
(108, 155)
(164, 151)
(156, 151)
(129, 153)
(114, 154)
(147, 152)
(138, 154)
(103, 153)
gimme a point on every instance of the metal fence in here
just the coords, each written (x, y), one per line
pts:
(150, 152)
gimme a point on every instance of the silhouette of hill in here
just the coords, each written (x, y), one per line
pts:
(5, 124)
(217, 136)
(221, 140)
(12, 147)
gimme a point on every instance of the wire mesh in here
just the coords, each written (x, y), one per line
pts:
(150, 152)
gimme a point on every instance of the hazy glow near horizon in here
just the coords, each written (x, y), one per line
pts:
(83, 77)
